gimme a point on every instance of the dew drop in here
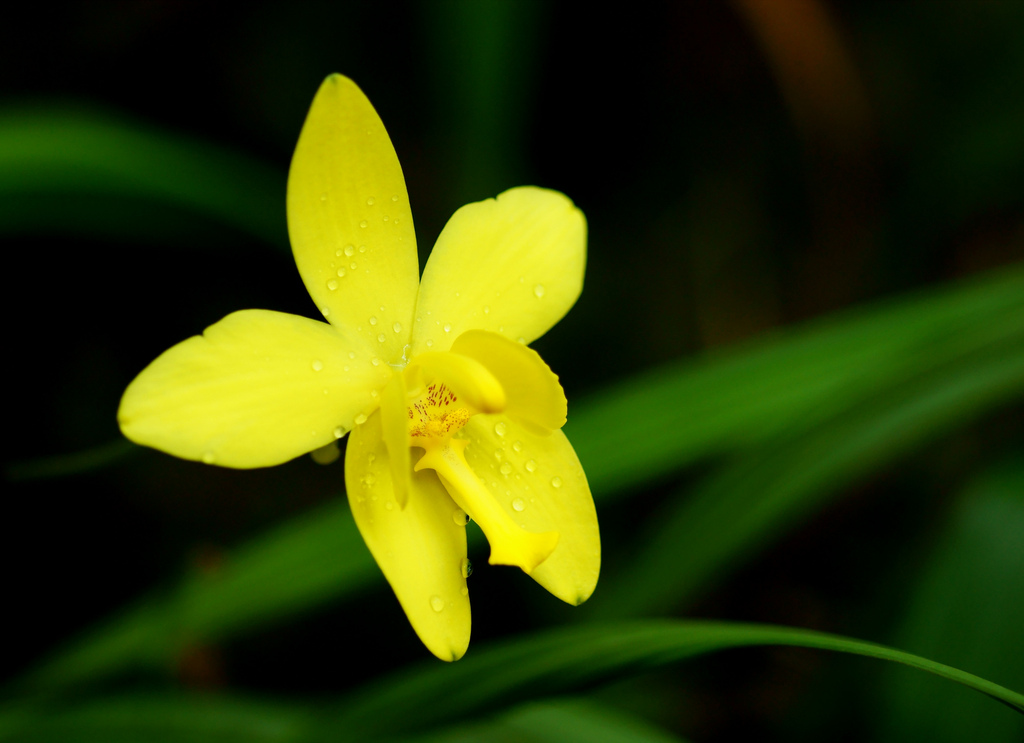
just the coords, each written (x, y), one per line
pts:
(362, 248)
(397, 327)
(467, 567)
(556, 482)
(369, 479)
(429, 343)
(338, 252)
(363, 224)
(381, 338)
(386, 218)
(350, 250)
(518, 504)
(317, 365)
(339, 432)
(369, 201)
(395, 197)
(505, 469)
(464, 591)
(531, 465)
(390, 505)
(325, 311)
(360, 419)
(208, 457)
(500, 428)
(538, 291)
(323, 197)
(447, 327)
(375, 361)
(517, 446)
(487, 310)
(460, 517)
(353, 265)
(332, 284)
(437, 603)
(373, 321)
(351, 354)
(341, 272)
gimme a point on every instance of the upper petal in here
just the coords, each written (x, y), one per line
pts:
(349, 219)
(512, 265)
(538, 480)
(256, 389)
(421, 549)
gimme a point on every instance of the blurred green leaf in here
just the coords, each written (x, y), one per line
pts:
(556, 721)
(648, 426)
(923, 362)
(568, 659)
(968, 609)
(71, 169)
(66, 465)
(434, 694)
(739, 509)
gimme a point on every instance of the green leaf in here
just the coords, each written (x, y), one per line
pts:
(569, 659)
(112, 176)
(414, 702)
(738, 510)
(556, 721)
(967, 609)
(653, 424)
(933, 360)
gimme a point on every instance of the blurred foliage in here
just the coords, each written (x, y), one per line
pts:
(795, 374)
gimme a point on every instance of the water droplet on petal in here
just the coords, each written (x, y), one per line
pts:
(332, 284)
(505, 469)
(518, 504)
(341, 273)
(500, 428)
(339, 432)
(338, 252)
(362, 223)
(556, 482)
(447, 327)
(318, 365)
(460, 517)
(360, 419)
(429, 343)
(325, 311)
(395, 197)
(518, 446)
(397, 327)
(350, 250)
(381, 338)
(538, 291)
(369, 201)
(375, 361)
(323, 197)
(373, 321)
(369, 479)
(353, 265)
(351, 354)
(467, 567)
(362, 248)
(208, 457)
(531, 465)
(390, 505)
(487, 310)
(437, 603)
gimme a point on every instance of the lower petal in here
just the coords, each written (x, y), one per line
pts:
(421, 549)
(256, 389)
(538, 480)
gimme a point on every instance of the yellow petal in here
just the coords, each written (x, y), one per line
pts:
(394, 422)
(349, 219)
(539, 481)
(256, 389)
(420, 549)
(534, 396)
(467, 377)
(512, 265)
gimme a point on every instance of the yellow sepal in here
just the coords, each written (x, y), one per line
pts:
(349, 220)
(420, 549)
(256, 389)
(512, 265)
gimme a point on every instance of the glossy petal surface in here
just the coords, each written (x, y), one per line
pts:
(533, 393)
(420, 549)
(539, 481)
(349, 220)
(256, 389)
(512, 265)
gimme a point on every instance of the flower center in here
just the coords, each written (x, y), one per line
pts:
(435, 415)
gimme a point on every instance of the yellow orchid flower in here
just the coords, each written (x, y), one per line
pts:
(450, 412)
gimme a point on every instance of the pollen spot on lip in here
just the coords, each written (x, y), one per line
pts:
(435, 415)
